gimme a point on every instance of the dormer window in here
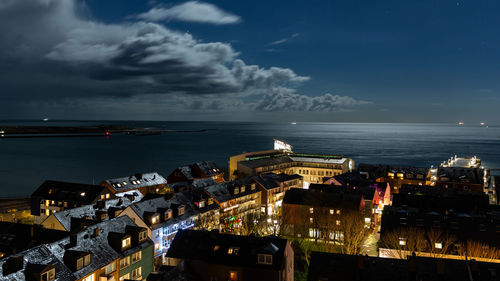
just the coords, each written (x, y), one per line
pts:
(252, 187)
(181, 210)
(168, 214)
(236, 190)
(143, 235)
(233, 251)
(124, 183)
(242, 189)
(48, 275)
(202, 203)
(265, 259)
(83, 262)
(126, 243)
(155, 219)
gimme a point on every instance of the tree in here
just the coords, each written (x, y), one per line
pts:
(254, 223)
(354, 233)
(475, 249)
(439, 243)
(207, 221)
(403, 241)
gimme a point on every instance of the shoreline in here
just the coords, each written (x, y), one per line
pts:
(82, 131)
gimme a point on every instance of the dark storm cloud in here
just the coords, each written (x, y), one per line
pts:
(51, 54)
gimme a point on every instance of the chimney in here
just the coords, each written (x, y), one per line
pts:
(73, 240)
(13, 264)
(138, 176)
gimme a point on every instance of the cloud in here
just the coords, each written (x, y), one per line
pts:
(287, 100)
(191, 11)
(284, 40)
(53, 60)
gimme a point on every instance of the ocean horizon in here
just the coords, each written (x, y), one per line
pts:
(26, 162)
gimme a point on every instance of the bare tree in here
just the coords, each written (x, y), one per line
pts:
(475, 249)
(439, 243)
(402, 241)
(354, 233)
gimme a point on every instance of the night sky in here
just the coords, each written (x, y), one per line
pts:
(356, 61)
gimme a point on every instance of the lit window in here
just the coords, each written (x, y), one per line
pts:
(337, 222)
(154, 219)
(311, 210)
(138, 182)
(52, 202)
(137, 273)
(311, 220)
(119, 185)
(338, 212)
(86, 260)
(82, 194)
(124, 262)
(126, 276)
(438, 245)
(143, 235)
(89, 278)
(107, 195)
(110, 268)
(233, 250)
(125, 242)
(331, 211)
(136, 257)
(79, 263)
(216, 248)
(402, 241)
(102, 196)
(49, 275)
(233, 276)
(124, 183)
(47, 212)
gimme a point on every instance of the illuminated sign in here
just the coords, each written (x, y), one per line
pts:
(281, 145)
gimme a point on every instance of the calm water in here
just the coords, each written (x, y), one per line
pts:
(26, 163)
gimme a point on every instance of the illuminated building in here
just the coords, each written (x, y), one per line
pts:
(163, 218)
(215, 256)
(312, 167)
(451, 217)
(273, 187)
(318, 215)
(113, 250)
(236, 199)
(396, 176)
(144, 183)
(466, 179)
(376, 196)
(76, 218)
(198, 170)
(54, 196)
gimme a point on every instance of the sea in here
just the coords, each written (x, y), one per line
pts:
(26, 162)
